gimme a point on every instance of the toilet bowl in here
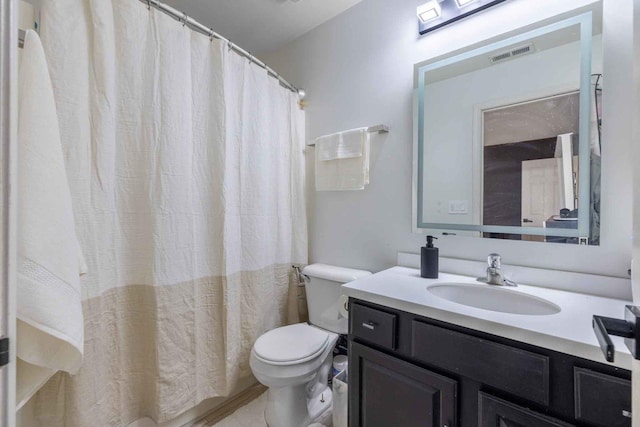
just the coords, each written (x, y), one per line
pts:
(294, 361)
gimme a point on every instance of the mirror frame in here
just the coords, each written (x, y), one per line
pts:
(585, 23)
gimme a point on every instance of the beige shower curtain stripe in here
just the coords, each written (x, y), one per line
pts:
(163, 344)
(185, 163)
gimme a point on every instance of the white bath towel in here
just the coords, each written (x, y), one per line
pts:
(342, 161)
(50, 322)
(341, 145)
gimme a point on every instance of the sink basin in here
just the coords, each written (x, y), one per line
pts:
(494, 299)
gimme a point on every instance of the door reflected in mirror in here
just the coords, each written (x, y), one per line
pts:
(531, 167)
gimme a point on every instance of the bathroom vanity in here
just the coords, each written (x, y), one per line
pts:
(418, 359)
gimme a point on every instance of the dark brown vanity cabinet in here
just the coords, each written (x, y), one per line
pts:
(494, 412)
(396, 393)
(407, 370)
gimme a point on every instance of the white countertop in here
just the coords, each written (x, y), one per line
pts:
(568, 331)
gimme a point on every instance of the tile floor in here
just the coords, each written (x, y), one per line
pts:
(250, 415)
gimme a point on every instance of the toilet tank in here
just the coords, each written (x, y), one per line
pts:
(323, 284)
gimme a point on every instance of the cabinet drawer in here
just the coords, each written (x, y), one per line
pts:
(374, 326)
(602, 400)
(512, 370)
(497, 412)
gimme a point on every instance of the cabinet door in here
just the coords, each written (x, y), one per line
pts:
(494, 412)
(387, 392)
(602, 400)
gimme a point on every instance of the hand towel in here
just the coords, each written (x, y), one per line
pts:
(50, 329)
(341, 145)
(342, 161)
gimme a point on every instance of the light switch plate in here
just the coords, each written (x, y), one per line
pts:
(458, 207)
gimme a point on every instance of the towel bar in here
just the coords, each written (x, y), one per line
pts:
(370, 129)
(378, 129)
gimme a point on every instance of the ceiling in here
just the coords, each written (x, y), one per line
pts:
(261, 26)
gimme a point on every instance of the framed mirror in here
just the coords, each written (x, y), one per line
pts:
(508, 137)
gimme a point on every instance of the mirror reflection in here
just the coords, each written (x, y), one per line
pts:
(530, 166)
(509, 139)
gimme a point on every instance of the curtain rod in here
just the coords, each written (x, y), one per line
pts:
(197, 26)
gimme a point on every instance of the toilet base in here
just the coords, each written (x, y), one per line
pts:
(320, 404)
(290, 407)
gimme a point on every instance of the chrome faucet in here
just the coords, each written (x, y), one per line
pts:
(495, 276)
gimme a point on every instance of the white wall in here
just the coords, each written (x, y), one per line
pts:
(636, 173)
(357, 70)
(635, 396)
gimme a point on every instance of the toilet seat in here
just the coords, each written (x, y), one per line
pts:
(290, 345)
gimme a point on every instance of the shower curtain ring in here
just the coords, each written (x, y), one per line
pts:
(184, 21)
(148, 4)
(211, 34)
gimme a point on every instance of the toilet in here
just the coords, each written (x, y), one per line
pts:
(294, 361)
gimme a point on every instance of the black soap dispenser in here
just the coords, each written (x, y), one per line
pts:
(429, 260)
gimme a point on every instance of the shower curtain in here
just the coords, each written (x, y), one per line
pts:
(186, 171)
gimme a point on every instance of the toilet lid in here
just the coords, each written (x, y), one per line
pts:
(293, 343)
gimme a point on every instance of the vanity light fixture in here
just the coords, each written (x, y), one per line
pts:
(436, 14)
(429, 11)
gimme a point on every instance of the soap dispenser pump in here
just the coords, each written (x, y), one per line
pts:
(429, 260)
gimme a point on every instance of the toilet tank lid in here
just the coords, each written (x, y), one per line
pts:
(333, 273)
